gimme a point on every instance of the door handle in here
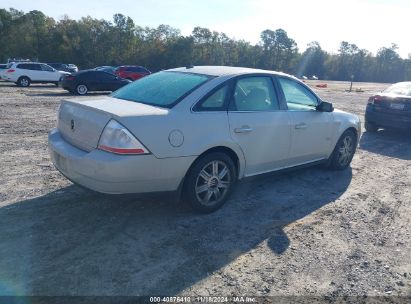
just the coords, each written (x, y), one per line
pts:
(243, 129)
(301, 126)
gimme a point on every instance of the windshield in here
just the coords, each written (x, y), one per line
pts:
(402, 88)
(163, 89)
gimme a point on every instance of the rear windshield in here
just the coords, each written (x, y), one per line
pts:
(163, 89)
(403, 89)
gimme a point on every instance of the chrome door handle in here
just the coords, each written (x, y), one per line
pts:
(301, 126)
(243, 129)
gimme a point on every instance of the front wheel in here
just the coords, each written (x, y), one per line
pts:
(343, 151)
(209, 182)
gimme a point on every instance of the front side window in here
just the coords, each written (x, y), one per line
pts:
(163, 89)
(255, 94)
(47, 68)
(298, 97)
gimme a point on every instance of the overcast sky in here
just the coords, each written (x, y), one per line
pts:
(370, 24)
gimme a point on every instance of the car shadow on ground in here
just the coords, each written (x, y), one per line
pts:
(65, 93)
(392, 143)
(32, 86)
(73, 242)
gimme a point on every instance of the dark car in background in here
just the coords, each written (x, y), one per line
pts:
(131, 72)
(106, 68)
(390, 109)
(91, 80)
(62, 67)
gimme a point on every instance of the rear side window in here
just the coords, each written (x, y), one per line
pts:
(214, 101)
(29, 66)
(163, 89)
(103, 76)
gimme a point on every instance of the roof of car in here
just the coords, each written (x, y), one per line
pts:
(223, 70)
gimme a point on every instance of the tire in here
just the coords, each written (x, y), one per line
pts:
(370, 127)
(23, 81)
(344, 151)
(81, 89)
(209, 182)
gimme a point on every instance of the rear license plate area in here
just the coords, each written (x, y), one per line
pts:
(397, 106)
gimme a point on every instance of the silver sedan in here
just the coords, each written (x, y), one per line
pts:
(197, 130)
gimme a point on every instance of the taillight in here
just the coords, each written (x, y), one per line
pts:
(10, 71)
(117, 139)
(375, 99)
(69, 77)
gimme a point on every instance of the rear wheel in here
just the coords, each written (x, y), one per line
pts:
(209, 182)
(370, 127)
(23, 81)
(343, 151)
(81, 89)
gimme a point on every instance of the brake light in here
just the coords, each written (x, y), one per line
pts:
(117, 139)
(375, 99)
(69, 77)
(10, 71)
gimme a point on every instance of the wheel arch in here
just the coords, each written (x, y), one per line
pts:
(24, 76)
(236, 157)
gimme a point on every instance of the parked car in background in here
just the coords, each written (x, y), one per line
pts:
(91, 80)
(106, 68)
(62, 67)
(17, 59)
(73, 67)
(131, 72)
(25, 73)
(390, 109)
(199, 129)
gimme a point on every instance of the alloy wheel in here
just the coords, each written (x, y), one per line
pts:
(346, 150)
(24, 82)
(213, 183)
(81, 89)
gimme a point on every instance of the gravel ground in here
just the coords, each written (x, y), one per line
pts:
(310, 232)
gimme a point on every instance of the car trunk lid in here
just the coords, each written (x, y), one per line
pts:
(81, 122)
(392, 104)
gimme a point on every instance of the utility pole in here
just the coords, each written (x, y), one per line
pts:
(352, 78)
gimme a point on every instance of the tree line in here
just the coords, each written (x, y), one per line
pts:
(90, 42)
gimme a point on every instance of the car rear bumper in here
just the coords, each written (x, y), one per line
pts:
(116, 174)
(384, 119)
(68, 85)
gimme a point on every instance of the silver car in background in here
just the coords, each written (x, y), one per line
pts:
(198, 130)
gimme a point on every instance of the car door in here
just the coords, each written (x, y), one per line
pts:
(311, 129)
(30, 70)
(259, 124)
(106, 82)
(49, 74)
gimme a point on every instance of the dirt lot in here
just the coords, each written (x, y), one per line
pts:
(310, 232)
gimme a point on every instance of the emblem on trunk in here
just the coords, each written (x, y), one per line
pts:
(72, 125)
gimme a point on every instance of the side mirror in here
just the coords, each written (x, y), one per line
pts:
(325, 107)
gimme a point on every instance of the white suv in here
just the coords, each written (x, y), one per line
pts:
(24, 73)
